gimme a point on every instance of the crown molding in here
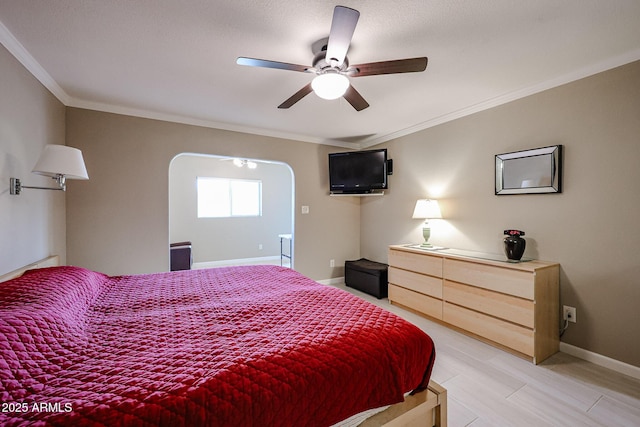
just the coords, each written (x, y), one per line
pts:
(175, 118)
(24, 57)
(584, 72)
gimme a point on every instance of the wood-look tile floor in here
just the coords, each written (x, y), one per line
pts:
(489, 387)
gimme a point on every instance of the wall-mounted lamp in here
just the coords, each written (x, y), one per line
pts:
(426, 209)
(58, 162)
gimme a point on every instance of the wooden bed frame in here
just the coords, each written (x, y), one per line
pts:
(425, 409)
(51, 261)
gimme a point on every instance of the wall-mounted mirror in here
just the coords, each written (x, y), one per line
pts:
(530, 171)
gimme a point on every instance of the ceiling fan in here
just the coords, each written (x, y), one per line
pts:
(331, 64)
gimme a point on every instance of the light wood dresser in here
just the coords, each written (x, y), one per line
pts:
(513, 305)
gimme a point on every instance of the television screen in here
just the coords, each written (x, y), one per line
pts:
(358, 171)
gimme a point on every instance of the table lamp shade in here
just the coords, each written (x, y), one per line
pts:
(427, 209)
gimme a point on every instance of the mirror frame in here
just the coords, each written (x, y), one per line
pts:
(555, 168)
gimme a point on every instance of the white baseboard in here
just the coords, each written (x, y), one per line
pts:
(243, 261)
(600, 360)
(334, 281)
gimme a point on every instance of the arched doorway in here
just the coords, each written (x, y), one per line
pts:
(232, 235)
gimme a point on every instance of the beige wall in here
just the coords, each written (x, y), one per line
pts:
(591, 229)
(32, 225)
(117, 222)
(215, 239)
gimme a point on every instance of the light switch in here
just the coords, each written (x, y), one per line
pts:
(305, 210)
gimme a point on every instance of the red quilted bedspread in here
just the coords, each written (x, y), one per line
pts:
(238, 346)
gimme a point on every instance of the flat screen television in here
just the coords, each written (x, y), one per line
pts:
(358, 172)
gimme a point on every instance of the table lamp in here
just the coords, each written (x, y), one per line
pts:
(426, 209)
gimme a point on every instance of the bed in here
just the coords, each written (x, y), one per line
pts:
(246, 346)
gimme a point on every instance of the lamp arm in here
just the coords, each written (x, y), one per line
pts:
(16, 186)
(41, 188)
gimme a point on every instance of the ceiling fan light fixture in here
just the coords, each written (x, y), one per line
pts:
(330, 85)
(331, 64)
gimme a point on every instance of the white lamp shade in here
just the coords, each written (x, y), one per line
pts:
(61, 160)
(427, 209)
(330, 85)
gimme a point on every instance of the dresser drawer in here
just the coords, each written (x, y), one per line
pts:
(428, 285)
(421, 263)
(417, 301)
(507, 334)
(505, 280)
(513, 309)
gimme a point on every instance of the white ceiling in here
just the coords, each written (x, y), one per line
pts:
(175, 59)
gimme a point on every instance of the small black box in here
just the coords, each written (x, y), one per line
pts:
(180, 256)
(367, 276)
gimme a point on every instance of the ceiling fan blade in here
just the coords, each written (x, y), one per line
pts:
(355, 99)
(342, 27)
(297, 96)
(412, 65)
(253, 62)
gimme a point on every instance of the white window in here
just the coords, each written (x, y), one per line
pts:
(223, 198)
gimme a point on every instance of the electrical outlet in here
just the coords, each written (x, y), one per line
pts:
(260, 246)
(332, 263)
(569, 313)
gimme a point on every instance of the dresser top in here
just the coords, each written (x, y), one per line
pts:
(526, 264)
